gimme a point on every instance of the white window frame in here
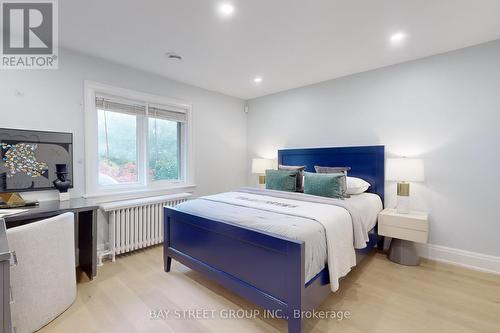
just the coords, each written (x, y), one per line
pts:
(144, 185)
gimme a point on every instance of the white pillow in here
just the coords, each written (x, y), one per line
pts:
(356, 185)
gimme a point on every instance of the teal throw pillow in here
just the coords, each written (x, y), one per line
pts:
(324, 184)
(281, 180)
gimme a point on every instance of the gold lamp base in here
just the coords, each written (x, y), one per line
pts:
(262, 180)
(404, 189)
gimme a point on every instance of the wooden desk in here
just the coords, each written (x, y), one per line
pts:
(85, 227)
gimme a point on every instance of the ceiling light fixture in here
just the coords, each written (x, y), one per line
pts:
(258, 79)
(226, 9)
(398, 37)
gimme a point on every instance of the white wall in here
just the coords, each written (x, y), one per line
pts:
(445, 109)
(53, 100)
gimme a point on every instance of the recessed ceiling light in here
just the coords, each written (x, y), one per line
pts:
(173, 56)
(258, 79)
(398, 37)
(226, 9)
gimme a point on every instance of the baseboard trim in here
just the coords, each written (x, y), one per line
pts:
(476, 261)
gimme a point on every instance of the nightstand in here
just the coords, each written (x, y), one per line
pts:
(404, 229)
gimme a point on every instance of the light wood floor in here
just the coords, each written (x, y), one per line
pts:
(380, 295)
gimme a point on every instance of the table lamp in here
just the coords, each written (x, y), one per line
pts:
(260, 165)
(404, 170)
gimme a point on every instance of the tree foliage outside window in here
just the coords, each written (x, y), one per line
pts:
(163, 149)
(117, 146)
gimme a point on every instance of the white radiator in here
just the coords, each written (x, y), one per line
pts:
(136, 224)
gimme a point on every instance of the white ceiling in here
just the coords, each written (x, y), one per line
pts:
(290, 43)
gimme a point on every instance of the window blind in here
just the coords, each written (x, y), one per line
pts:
(167, 112)
(152, 110)
(122, 106)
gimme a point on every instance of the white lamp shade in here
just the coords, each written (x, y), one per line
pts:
(405, 169)
(260, 165)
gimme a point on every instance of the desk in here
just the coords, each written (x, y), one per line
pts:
(85, 226)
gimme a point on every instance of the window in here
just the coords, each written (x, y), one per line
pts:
(164, 148)
(136, 143)
(165, 139)
(117, 148)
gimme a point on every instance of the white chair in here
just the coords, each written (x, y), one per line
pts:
(43, 283)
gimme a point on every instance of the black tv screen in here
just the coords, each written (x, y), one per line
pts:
(28, 159)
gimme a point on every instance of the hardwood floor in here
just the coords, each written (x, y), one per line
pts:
(380, 295)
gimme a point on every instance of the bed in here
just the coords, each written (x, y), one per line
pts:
(271, 270)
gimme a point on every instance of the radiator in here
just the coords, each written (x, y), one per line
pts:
(136, 224)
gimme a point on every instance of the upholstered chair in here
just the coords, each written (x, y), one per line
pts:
(43, 282)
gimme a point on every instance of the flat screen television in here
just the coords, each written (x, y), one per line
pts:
(28, 159)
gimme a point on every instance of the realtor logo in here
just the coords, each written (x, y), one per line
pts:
(29, 34)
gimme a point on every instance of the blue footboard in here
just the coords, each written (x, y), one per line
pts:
(266, 269)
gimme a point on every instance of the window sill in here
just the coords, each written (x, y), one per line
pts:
(140, 193)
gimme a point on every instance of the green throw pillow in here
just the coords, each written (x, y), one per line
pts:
(324, 184)
(281, 180)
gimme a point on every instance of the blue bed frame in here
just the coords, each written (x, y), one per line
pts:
(264, 268)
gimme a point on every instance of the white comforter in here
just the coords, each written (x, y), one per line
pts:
(302, 219)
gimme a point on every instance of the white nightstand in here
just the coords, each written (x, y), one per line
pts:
(404, 229)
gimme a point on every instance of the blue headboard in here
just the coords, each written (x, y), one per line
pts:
(365, 162)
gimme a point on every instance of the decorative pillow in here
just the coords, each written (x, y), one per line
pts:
(281, 180)
(300, 175)
(323, 169)
(343, 170)
(324, 184)
(356, 185)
